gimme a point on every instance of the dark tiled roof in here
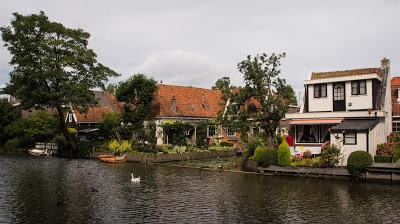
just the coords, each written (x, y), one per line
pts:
(106, 103)
(355, 125)
(189, 101)
(335, 74)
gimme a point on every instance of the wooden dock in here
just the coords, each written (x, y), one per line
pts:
(378, 172)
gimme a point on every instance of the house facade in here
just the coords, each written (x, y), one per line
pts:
(188, 105)
(351, 109)
(395, 84)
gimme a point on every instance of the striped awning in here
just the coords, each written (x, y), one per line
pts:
(316, 121)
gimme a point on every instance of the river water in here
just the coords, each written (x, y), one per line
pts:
(53, 190)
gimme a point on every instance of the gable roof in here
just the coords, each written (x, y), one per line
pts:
(93, 115)
(395, 85)
(353, 72)
(186, 101)
(106, 103)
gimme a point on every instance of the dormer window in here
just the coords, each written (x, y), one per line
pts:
(359, 87)
(320, 90)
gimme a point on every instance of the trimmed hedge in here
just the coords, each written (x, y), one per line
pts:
(268, 157)
(358, 161)
(396, 155)
(382, 159)
(284, 154)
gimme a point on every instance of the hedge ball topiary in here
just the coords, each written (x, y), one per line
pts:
(358, 161)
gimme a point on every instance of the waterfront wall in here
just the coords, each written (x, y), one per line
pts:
(161, 158)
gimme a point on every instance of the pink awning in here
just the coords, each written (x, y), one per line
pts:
(316, 121)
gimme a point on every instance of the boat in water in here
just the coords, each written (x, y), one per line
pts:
(112, 158)
(39, 152)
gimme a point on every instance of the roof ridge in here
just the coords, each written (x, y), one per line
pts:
(347, 70)
(192, 87)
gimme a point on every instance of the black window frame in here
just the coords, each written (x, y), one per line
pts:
(355, 138)
(318, 93)
(356, 87)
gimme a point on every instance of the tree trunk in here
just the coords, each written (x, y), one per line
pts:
(71, 145)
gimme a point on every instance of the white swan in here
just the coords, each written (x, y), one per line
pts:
(135, 179)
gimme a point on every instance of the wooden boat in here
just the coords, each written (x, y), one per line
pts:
(112, 158)
(39, 152)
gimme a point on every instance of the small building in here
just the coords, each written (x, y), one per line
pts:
(351, 109)
(188, 105)
(88, 122)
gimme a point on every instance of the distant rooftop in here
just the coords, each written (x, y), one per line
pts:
(353, 72)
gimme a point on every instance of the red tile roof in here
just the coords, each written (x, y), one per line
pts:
(107, 103)
(190, 102)
(93, 115)
(395, 83)
(334, 74)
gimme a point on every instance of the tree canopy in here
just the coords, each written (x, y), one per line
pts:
(138, 94)
(262, 101)
(8, 114)
(52, 65)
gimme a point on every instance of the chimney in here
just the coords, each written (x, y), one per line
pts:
(385, 63)
(173, 104)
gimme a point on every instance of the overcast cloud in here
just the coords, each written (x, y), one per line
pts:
(195, 42)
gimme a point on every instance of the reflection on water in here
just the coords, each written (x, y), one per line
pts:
(51, 190)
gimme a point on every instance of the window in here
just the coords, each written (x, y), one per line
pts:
(350, 138)
(230, 132)
(210, 131)
(396, 125)
(359, 87)
(255, 130)
(70, 118)
(338, 92)
(320, 90)
(313, 133)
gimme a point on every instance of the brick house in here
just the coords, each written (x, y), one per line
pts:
(395, 87)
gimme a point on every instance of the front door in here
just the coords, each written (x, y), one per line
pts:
(339, 100)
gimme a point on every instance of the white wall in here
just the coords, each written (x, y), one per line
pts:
(347, 149)
(377, 136)
(320, 104)
(359, 102)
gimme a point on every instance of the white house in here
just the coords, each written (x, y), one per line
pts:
(351, 109)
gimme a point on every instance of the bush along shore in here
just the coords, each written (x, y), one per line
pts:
(277, 160)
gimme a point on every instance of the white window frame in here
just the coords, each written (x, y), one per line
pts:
(70, 117)
(208, 131)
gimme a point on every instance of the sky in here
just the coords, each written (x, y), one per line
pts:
(187, 42)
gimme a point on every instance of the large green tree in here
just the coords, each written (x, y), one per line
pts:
(262, 101)
(52, 66)
(8, 114)
(138, 94)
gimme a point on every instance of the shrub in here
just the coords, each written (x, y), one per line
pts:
(307, 154)
(142, 147)
(225, 144)
(284, 154)
(12, 145)
(386, 149)
(394, 137)
(382, 159)
(396, 155)
(251, 147)
(330, 156)
(317, 162)
(358, 161)
(257, 153)
(268, 157)
(119, 146)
